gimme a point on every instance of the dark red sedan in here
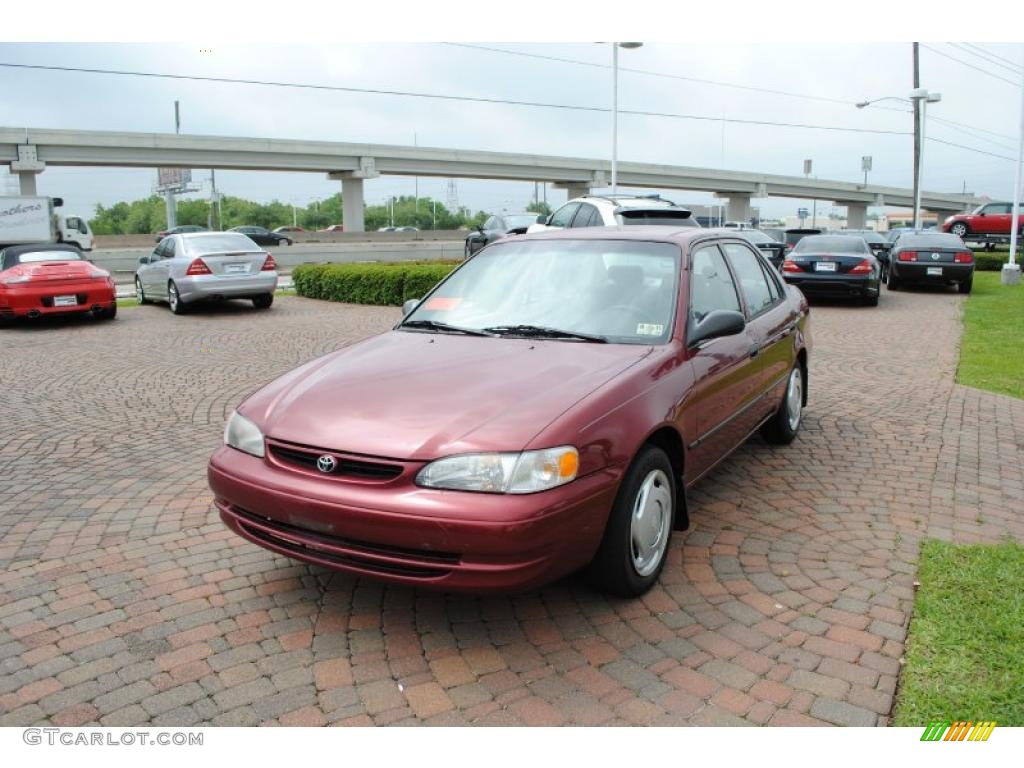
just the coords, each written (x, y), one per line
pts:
(543, 409)
(53, 279)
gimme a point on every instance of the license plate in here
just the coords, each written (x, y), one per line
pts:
(934, 271)
(237, 269)
(65, 301)
(825, 266)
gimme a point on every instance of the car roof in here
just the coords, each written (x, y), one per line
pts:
(681, 236)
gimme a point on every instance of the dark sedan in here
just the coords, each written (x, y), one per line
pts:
(931, 258)
(498, 226)
(769, 246)
(263, 236)
(791, 237)
(878, 244)
(834, 266)
(182, 230)
(543, 409)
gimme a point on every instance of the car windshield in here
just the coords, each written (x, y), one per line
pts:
(931, 241)
(517, 220)
(219, 242)
(622, 291)
(658, 216)
(796, 237)
(756, 237)
(870, 237)
(831, 244)
(34, 257)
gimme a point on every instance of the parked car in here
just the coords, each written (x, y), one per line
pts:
(282, 230)
(407, 229)
(379, 229)
(878, 244)
(39, 279)
(790, 237)
(262, 235)
(617, 210)
(542, 409)
(770, 247)
(934, 258)
(206, 266)
(987, 219)
(834, 266)
(895, 232)
(337, 228)
(497, 226)
(182, 230)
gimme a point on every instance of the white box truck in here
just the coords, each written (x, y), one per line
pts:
(35, 220)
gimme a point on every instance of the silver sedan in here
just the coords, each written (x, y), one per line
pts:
(206, 266)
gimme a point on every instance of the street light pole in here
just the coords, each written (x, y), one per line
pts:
(1011, 270)
(615, 110)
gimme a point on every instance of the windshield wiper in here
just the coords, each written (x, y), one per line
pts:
(434, 325)
(542, 332)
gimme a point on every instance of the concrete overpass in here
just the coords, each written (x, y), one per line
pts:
(30, 150)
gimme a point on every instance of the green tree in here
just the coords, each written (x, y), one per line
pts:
(539, 207)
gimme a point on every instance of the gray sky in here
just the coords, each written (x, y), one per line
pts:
(844, 71)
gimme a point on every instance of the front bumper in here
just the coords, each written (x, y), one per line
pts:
(398, 532)
(36, 299)
(833, 284)
(917, 272)
(208, 287)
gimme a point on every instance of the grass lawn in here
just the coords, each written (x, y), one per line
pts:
(992, 352)
(965, 651)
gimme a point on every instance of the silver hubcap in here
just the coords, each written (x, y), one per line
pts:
(139, 295)
(959, 229)
(650, 524)
(795, 398)
(172, 296)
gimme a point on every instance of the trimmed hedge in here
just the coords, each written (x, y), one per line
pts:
(990, 261)
(390, 284)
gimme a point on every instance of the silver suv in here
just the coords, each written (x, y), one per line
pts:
(617, 210)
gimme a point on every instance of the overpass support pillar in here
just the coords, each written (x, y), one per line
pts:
(574, 189)
(27, 166)
(352, 205)
(856, 215)
(737, 206)
(27, 183)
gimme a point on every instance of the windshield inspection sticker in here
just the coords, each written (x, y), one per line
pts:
(443, 304)
(649, 329)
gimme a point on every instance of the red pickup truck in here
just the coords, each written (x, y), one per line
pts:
(987, 219)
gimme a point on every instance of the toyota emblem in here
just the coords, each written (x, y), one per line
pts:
(935, 257)
(326, 463)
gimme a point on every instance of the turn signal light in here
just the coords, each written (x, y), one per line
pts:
(269, 265)
(791, 266)
(908, 256)
(861, 269)
(198, 267)
(964, 258)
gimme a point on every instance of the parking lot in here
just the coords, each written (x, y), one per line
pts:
(124, 601)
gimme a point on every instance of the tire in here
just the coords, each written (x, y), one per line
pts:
(959, 229)
(966, 285)
(635, 544)
(174, 299)
(892, 282)
(263, 301)
(466, 253)
(109, 314)
(782, 427)
(140, 293)
(870, 301)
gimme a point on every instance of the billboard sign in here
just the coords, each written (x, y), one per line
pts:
(173, 178)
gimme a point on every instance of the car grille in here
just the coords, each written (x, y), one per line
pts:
(417, 563)
(306, 458)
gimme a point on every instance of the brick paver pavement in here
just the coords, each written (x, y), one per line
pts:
(123, 600)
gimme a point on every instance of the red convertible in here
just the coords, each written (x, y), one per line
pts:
(543, 409)
(53, 279)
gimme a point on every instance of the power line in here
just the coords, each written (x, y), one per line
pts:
(990, 57)
(969, 149)
(446, 97)
(966, 64)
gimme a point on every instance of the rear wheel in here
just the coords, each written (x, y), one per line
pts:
(966, 285)
(781, 428)
(264, 301)
(892, 283)
(109, 314)
(174, 299)
(635, 544)
(870, 300)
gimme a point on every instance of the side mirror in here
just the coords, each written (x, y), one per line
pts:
(409, 306)
(542, 218)
(143, 259)
(981, 213)
(480, 228)
(717, 323)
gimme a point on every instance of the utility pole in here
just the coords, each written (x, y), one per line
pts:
(1011, 270)
(917, 129)
(168, 193)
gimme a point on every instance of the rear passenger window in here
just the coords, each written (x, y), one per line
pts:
(587, 216)
(711, 285)
(754, 283)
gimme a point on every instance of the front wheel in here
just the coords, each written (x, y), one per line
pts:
(140, 292)
(174, 299)
(264, 301)
(781, 428)
(635, 544)
(959, 229)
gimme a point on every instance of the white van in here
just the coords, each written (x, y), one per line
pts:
(74, 230)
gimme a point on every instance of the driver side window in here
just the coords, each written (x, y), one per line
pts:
(711, 284)
(563, 215)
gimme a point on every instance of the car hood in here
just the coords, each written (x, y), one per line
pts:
(420, 396)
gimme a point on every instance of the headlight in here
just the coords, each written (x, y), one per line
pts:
(526, 472)
(241, 434)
